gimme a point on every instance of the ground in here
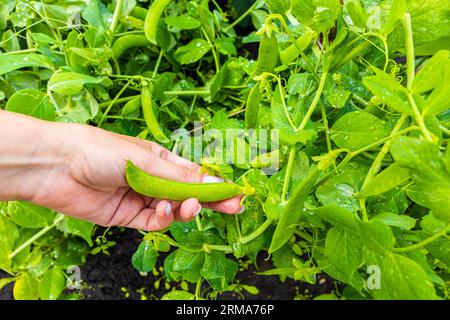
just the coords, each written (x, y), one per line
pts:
(112, 277)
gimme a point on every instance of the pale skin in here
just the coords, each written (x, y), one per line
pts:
(79, 170)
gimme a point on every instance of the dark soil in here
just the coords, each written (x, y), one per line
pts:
(112, 277)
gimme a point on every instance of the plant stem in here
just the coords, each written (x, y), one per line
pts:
(218, 247)
(119, 100)
(116, 16)
(409, 44)
(419, 118)
(242, 17)
(287, 176)
(255, 234)
(36, 236)
(158, 63)
(198, 288)
(425, 242)
(112, 103)
(313, 105)
(187, 92)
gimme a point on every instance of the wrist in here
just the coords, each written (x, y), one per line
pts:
(31, 151)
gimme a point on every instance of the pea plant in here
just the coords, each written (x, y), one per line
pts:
(354, 96)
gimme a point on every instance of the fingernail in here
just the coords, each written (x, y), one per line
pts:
(198, 210)
(211, 179)
(242, 210)
(168, 210)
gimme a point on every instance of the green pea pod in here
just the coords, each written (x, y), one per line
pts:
(152, 18)
(139, 12)
(292, 52)
(252, 106)
(132, 106)
(126, 42)
(267, 54)
(156, 187)
(292, 211)
(149, 115)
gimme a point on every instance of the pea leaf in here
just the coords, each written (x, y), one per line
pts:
(144, 259)
(389, 178)
(70, 83)
(77, 227)
(10, 63)
(52, 284)
(431, 187)
(192, 52)
(319, 15)
(182, 22)
(26, 288)
(30, 215)
(31, 102)
(178, 295)
(358, 129)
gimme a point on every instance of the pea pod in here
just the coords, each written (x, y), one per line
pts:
(126, 42)
(139, 12)
(151, 186)
(132, 106)
(267, 54)
(152, 19)
(252, 106)
(149, 114)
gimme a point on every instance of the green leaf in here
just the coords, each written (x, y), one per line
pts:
(178, 295)
(182, 22)
(391, 177)
(403, 279)
(26, 288)
(6, 281)
(29, 215)
(52, 284)
(185, 265)
(358, 129)
(10, 63)
(192, 52)
(320, 15)
(431, 74)
(335, 94)
(80, 228)
(388, 91)
(70, 83)
(438, 101)
(427, 167)
(31, 102)
(292, 211)
(344, 251)
(218, 269)
(144, 259)
(396, 220)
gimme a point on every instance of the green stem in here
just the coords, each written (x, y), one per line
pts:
(187, 92)
(120, 100)
(116, 16)
(287, 176)
(419, 118)
(36, 236)
(314, 102)
(409, 43)
(213, 49)
(255, 234)
(112, 103)
(158, 63)
(425, 242)
(218, 247)
(198, 288)
(242, 17)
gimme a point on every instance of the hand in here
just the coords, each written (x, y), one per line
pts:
(80, 171)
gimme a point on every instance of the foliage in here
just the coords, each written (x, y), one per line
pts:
(363, 188)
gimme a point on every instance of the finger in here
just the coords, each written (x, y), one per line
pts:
(230, 206)
(153, 220)
(188, 210)
(161, 152)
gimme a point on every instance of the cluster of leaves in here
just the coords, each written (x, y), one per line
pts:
(363, 190)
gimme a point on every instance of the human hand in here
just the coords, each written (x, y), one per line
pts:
(80, 171)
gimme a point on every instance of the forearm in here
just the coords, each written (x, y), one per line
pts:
(29, 149)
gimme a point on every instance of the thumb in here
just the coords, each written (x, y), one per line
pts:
(165, 169)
